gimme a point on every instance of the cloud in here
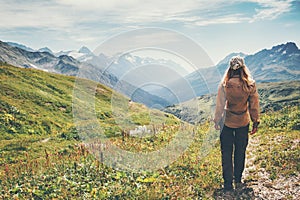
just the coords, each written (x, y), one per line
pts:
(226, 19)
(68, 14)
(89, 21)
(271, 9)
(35, 14)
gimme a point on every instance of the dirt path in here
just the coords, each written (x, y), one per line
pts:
(259, 180)
(258, 184)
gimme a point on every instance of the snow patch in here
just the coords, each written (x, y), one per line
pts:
(75, 54)
(278, 50)
(33, 66)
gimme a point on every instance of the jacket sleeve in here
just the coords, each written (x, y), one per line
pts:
(220, 104)
(254, 104)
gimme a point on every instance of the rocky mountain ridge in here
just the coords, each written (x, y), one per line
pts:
(68, 65)
(280, 63)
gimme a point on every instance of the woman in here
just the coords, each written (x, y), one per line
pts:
(237, 103)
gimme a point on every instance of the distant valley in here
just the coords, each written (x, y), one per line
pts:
(148, 84)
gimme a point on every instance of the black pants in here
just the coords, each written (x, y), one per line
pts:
(233, 139)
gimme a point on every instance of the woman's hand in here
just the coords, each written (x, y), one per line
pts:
(217, 126)
(254, 130)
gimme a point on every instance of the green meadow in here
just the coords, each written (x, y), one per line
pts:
(42, 155)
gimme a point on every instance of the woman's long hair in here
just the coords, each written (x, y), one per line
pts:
(237, 67)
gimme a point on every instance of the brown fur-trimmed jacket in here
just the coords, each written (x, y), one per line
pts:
(237, 106)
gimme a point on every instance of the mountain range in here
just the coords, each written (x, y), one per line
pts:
(63, 63)
(280, 63)
(154, 82)
(46, 61)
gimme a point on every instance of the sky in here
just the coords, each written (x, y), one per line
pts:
(220, 27)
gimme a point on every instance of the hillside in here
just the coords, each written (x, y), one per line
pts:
(18, 55)
(42, 158)
(273, 97)
(127, 73)
(50, 168)
(40, 103)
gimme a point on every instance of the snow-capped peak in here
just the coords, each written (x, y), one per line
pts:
(84, 50)
(45, 49)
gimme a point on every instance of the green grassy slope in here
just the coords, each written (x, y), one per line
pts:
(36, 102)
(36, 106)
(275, 96)
(71, 172)
(40, 157)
